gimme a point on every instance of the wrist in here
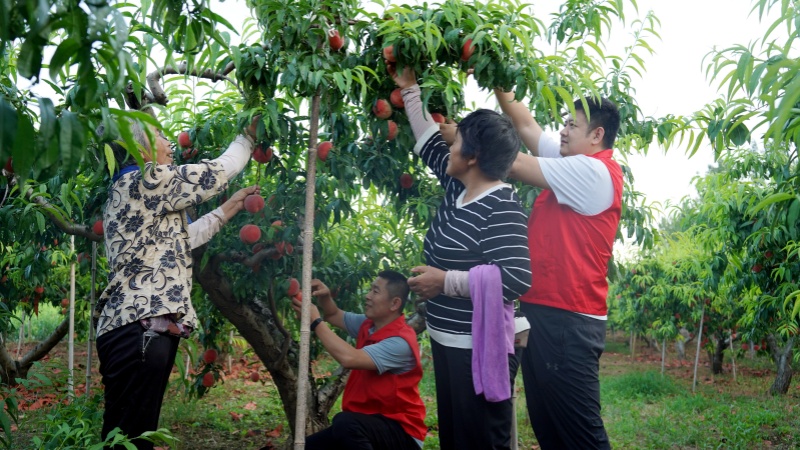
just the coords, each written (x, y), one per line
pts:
(315, 323)
(410, 88)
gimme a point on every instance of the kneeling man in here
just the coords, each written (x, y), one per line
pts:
(381, 407)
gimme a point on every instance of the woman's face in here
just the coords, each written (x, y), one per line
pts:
(164, 154)
(456, 164)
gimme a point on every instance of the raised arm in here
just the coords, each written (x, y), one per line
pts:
(191, 184)
(204, 228)
(345, 354)
(526, 168)
(527, 128)
(430, 146)
(238, 153)
(330, 311)
(420, 120)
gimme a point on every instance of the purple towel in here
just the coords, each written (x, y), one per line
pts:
(492, 334)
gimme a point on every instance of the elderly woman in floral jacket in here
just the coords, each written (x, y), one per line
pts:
(146, 307)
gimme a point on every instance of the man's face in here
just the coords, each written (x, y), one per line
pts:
(576, 139)
(378, 303)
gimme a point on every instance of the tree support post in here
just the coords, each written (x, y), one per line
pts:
(697, 354)
(71, 337)
(308, 251)
(733, 353)
(91, 320)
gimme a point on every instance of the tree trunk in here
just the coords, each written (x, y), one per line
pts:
(258, 323)
(681, 342)
(11, 369)
(719, 354)
(782, 356)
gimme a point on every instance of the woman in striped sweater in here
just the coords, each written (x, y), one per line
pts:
(480, 222)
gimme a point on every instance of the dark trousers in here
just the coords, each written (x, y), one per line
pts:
(560, 370)
(356, 431)
(135, 373)
(468, 421)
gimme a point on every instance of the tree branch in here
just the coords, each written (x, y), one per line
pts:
(60, 221)
(154, 79)
(251, 260)
(43, 348)
(329, 393)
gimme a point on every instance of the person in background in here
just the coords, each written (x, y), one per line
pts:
(146, 307)
(381, 406)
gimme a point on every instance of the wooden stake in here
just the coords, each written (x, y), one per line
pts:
(21, 334)
(733, 354)
(91, 322)
(230, 345)
(305, 311)
(71, 338)
(697, 354)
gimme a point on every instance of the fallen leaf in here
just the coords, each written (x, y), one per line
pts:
(276, 432)
(251, 406)
(236, 416)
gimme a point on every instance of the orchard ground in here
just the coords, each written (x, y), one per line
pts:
(641, 408)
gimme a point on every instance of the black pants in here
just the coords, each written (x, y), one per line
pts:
(355, 431)
(468, 421)
(135, 374)
(560, 369)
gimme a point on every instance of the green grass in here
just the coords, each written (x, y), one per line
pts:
(39, 327)
(642, 408)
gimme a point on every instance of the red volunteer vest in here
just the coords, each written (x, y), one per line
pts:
(570, 251)
(393, 396)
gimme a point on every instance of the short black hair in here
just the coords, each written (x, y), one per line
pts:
(397, 285)
(491, 138)
(602, 113)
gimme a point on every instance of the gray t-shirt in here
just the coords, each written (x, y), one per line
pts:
(392, 355)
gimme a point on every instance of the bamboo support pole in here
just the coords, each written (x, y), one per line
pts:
(91, 335)
(697, 354)
(305, 310)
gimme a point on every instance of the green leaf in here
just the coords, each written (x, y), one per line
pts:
(216, 18)
(64, 197)
(794, 211)
(739, 134)
(796, 309)
(65, 51)
(29, 63)
(745, 66)
(110, 161)
(72, 141)
(774, 198)
(23, 156)
(40, 221)
(8, 129)
(5, 424)
(755, 78)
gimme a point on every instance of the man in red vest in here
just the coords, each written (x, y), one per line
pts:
(381, 407)
(571, 233)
